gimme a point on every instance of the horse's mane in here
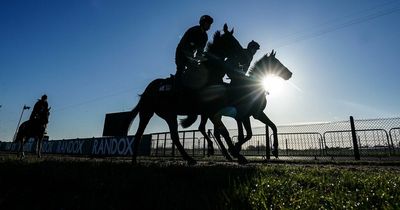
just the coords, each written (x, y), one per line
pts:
(211, 45)
(259, 65)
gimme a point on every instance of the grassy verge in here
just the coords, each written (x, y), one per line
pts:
(62, 184)
(325, 188)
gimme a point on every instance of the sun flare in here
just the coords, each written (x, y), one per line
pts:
(272, 84)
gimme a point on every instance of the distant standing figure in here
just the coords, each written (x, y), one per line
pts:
(192, 43)
(40, 106)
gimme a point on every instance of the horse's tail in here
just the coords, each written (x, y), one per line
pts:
(131, 116)
(133, 113)
(188, 121)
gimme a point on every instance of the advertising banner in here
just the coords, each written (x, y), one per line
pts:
(103, 146)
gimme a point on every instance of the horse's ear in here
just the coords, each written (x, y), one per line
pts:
(49, 108)
(225, 28)
(232, 31)
(273, 53)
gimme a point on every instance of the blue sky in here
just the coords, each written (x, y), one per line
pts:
(95, 57)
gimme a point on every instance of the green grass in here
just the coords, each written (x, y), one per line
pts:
(82, 184)
(324, 188)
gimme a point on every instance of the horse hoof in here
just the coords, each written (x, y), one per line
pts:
(242, 160)
(21, 157)
(191, 162)
(210, 152)
(233, 152)
(229, 158)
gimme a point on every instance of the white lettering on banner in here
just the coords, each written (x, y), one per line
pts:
(13, 146)
(75, 147)
(47, 147)
(94, 146)
(60, 147)
(112, 146)
(8, 146)
(129, 146)
(28, 146)
(70, 147)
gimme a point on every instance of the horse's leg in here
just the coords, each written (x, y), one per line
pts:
(35, 144)
(21, 147)
(39, 146)
(264, 119)
(173, 128)
(144, 118)
(249, 133)
(202, 129)
(18, 140)
(240, 135)
(247, 126)
(224, 151)
(220, 128)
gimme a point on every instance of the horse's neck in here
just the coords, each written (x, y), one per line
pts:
(242, 81)
(215, 71)
(246, 86)
(42, 120)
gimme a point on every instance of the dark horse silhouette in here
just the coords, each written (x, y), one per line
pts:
(32, 129)
(207, 97)
(247, 98)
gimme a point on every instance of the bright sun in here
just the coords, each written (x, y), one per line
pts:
(272, 84)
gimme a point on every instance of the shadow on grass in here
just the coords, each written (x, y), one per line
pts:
(55, 184)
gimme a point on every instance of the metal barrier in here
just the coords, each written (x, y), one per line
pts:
(192, 141)
(256, 146)
(394, 134)
(301, 144)
(376, 138)
(330, 144)
(371, 142)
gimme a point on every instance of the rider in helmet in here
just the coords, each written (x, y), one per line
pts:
(192, 43)
(252, 48)
(244, 64)
(40, 106)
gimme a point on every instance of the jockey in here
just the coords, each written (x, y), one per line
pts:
(252, 48)
(192, 45)
(40, 106)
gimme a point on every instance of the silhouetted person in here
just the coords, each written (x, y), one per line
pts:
(251, 50)
(244, 64)
(40, 106)
(192, 43)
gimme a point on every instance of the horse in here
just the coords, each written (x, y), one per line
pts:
(207, 97)
(247, 98)
(33, 128)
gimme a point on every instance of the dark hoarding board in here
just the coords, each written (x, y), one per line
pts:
(117, 124)
(102, 147)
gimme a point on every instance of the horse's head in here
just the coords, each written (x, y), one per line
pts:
(269, 65)
(226, 46)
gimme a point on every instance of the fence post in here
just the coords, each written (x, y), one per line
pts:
(287, 148)
(267, 148)
(158, 138)
(194, 135)
(165, 142)
(354, 137)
